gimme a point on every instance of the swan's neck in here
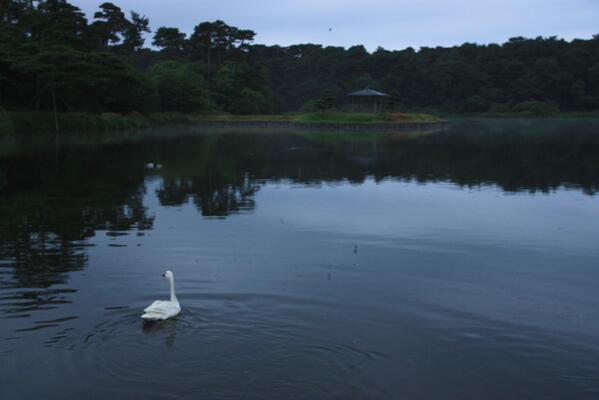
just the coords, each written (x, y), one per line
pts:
(173, 295)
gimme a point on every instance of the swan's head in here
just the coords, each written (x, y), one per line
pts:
(168, 274)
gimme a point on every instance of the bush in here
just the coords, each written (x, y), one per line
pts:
(325, 103)
(533, 107)
(240, 88)
(475, 104)
(308, 107)
(249, 102)
(499, 108)
(43, 122)
(32, 122)
(180, 87)
(6, 125)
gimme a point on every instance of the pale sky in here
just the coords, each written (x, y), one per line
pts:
(392, 24)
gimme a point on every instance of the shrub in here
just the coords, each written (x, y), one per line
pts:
(180, 87)
(475, 104)
(249, 101)
(499, 108)
(6, 125)
(534, 107)
(325, 103)
(308, 107)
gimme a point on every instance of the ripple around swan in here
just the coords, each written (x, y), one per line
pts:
(217, 350)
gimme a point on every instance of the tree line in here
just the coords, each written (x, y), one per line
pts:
(53, 58)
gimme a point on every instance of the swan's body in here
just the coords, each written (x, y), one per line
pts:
(162, 309)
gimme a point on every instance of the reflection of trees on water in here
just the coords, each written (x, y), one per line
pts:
(212, 196)
(50, 208)
(514, 156)
(212, 172)
(221, 173)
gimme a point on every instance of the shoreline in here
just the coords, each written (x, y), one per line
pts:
(324, 126)
(31, 122)
(18, 123)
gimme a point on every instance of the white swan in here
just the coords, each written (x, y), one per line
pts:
(160, 309)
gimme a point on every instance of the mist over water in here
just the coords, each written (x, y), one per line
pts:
(452, 264)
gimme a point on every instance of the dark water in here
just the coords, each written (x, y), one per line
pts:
(461, 264)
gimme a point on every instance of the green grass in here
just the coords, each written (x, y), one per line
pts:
(524, 114)
(349, 118)
(230, 117)
(326, 117)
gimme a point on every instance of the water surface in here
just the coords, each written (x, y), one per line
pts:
(452, 264)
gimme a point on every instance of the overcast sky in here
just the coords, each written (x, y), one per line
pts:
(392, 24)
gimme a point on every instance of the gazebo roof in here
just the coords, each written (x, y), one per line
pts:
(368, 92)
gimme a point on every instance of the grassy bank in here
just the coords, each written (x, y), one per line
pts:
(28, 122)
(328, 117)
(523, 115)
(348, 118)
(25, 122)
(395, 117)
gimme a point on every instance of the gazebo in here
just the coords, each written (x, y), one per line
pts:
(368, 93)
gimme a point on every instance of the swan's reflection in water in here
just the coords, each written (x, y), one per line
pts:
(166, 328)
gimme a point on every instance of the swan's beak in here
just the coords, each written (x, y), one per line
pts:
(164, 274)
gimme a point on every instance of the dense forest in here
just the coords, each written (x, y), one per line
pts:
(53, 58)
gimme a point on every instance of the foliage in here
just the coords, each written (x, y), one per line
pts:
(170, 40)
(134, 30)
(109, 22)
(239, 88)
(536, 107)
(26, 122)
(51, 56)
(181, 88)
(466, 78)
(213, 41)
(249, 101)
(325, 103)
(6, 125)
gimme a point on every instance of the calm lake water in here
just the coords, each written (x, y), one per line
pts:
(461, 264)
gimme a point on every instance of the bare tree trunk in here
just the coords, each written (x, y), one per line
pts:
(38, 94)
(209, 59)
(57, 140)
(55, 112)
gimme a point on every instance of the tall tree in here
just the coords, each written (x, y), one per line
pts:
(170, 40)
(213, 41)
(133, 32)
(109, 25)
(13, 11)
(58, 22)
